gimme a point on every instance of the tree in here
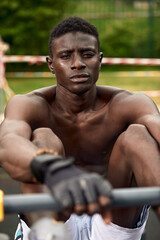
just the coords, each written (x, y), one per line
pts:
(25, 25)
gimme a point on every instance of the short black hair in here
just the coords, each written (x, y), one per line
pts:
(72, 24)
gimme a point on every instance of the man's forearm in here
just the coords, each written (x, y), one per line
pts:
(16, 154)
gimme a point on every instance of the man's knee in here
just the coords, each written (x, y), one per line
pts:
(135, 136)
(40, 135)
(40, 132)
(46, 138)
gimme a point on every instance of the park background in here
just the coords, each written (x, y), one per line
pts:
(127, 29)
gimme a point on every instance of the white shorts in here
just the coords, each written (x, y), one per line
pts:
(94, 228)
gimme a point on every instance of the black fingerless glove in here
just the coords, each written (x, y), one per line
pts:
(43, 163)
(69, 184)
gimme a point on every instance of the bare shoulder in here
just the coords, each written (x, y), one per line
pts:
(29, 106)
(130, 101)
(134, 106)
(110, 94)
(125, 104)
(47, 93)
(119, 97)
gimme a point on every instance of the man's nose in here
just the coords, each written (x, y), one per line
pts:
(77, 63)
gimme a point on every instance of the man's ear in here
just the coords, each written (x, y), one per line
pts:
(100, 59)
(49, 60)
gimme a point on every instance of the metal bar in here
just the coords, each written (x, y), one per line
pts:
(136, 196)
(121, 198)
(105, 60)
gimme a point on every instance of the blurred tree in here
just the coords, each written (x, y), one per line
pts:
(122, 39)
(115, 40)
(25, 25)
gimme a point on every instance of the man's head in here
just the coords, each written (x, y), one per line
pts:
(72, 24)
(75, 58)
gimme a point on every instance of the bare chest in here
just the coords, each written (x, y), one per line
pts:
(88, 138)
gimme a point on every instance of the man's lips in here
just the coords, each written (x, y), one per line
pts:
(79, 77)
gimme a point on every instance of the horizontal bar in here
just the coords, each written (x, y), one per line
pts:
(105, 60)
(121, 198)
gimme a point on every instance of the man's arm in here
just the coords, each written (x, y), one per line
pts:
(147, 114)
(150, 118)
(16, 148)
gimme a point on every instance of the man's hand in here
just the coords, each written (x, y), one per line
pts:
(71, 186)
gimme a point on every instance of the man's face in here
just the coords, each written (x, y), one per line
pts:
(76, 61)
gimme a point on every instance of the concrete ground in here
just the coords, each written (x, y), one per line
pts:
(10, 222)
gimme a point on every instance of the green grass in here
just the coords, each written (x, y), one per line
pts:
(134, 84)
(129, 82)
(24, 85)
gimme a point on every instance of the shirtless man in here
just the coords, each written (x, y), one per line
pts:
(108, 131)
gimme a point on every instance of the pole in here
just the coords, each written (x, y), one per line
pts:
(151, 29)
(121, 198)
(3, 48)
(1, 84)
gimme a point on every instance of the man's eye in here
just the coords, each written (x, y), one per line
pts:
(88, 55)
(66, 56)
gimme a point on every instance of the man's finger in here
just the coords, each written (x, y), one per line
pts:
(104, 201)
(76, 192)
(88, 186)
(107, 216)
(93, 208)
(63, 196)
(104, 188)
(80, 209)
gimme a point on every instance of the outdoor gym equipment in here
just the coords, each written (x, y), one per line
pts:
(38, 202)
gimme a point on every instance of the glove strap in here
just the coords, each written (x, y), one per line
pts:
(40, 164)
(58, 165)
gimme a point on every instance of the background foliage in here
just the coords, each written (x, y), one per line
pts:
(126, 28)
(25, 24)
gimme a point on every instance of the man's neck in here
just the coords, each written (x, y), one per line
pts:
(75, 103)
